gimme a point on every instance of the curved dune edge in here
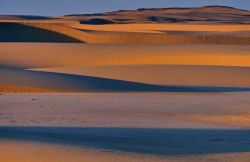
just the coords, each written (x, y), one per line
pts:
(192, 75)
(229, 120)
(126, 37)
(44, 55)
(58, 28)
(161, 27)
(76, 83)
(139, 38)
(23, 80)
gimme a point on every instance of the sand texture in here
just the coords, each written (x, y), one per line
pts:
(128, 127)
(146, 85)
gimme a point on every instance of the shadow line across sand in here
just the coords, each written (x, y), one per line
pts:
(158, 141)
(79, 83)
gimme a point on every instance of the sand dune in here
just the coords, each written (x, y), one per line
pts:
(138, 121)
(165, 74)
(49, 32)
(162, 27)
(43, 55)
(103, 87)
(28, 81)
(20, 79)
(16, 32)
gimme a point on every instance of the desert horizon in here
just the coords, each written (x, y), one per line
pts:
(148, 84)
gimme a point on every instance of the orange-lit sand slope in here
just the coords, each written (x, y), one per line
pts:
(43, 55)
(152, 46)
(209, 65)
(154, 64)
(161, 28)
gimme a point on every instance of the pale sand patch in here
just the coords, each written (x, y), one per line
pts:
(154, 110)
(14, 151)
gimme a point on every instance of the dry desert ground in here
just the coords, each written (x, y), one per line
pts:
(139, 85)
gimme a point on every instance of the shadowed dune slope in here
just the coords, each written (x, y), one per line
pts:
(166, 74)
(14, 32)
(136, 140)
(76, 83)
(97, 21)
(73, 83)
(43, 55)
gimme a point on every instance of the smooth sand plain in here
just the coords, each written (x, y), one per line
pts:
(166, 110)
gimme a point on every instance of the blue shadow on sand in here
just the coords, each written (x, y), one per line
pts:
(157, 141)
(79, 83)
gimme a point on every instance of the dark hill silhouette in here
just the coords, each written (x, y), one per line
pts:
(207, 14)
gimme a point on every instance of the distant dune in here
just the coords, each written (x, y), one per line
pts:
(162, 27)
(203, 25)
(49, 32)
